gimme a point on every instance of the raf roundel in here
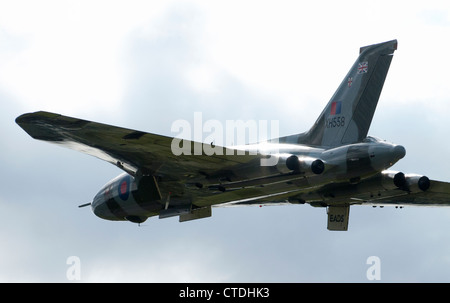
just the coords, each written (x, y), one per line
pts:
(124, 188)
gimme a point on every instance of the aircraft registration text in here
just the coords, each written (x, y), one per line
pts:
(335, 122)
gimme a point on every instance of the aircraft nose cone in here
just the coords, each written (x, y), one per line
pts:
(399, 151)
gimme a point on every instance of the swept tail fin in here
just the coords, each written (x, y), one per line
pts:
(347, 116)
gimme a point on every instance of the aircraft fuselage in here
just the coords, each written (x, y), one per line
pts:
(121, 198)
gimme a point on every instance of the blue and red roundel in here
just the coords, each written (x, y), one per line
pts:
(124, 188)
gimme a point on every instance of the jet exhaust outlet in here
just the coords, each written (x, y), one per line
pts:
(411, 182)
(317, 167)
(295, 164)
(424, 183)
(400, 180)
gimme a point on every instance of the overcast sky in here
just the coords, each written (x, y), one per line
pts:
(145, 64)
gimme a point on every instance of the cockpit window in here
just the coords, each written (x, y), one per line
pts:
(371, 139)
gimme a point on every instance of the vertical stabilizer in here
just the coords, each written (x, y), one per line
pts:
(347, 116)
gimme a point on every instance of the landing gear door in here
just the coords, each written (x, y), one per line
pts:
(338, 217)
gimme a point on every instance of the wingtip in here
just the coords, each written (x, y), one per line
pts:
(29, 117)
(20, 119)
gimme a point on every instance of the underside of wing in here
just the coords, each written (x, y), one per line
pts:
(437, 195)
(383, 189)
(396, 188)
(133, 151)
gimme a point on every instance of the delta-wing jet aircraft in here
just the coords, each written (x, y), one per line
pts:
(333, 165)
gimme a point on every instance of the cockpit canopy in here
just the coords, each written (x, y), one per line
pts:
(371, 139)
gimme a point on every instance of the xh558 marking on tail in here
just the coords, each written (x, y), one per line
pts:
(333, 165)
